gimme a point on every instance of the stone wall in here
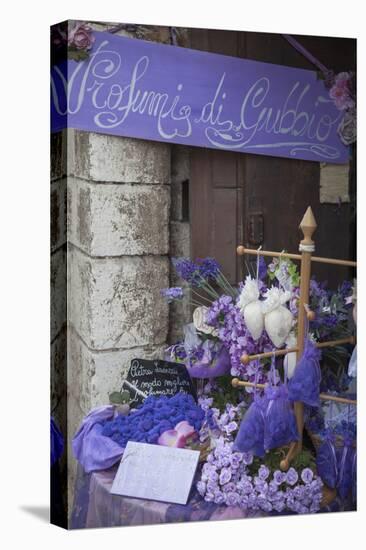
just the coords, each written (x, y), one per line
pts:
(118, 195)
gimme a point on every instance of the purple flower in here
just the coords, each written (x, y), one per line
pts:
(264, 504)
(187, 270)
(229, 487)
(279, 505)
(235, 460)
(292, 476)
(263, 472)
(173, 293)
(279, 477)
(232, 499)
(209, 268)
(219, 497)
(248, 458)
(225, 476)
(244, 486)
(307, 475)
(231, 427)
(262, 268)
(225, 316)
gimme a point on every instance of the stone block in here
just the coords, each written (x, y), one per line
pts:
(104, 158)
(116, 302)
(116, 220)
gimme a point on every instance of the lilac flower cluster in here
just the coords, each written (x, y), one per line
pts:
(196, 273)
(153, 417)
(225, 316)
(227, 479)
(223, 425)
(330, 308)
(172, 293)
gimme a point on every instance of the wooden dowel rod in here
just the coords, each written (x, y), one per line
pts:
(241, 250)
(326, 397)
(332, 343)
(245, 359)
(323, 396)
(333, 261)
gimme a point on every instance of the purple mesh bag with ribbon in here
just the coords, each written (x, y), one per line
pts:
(250, 437)
(279, 419)
(305, 384)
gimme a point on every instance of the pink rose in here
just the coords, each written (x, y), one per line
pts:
(340, 91)
(81, 37)
(172, 438)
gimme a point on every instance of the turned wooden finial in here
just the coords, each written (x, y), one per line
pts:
(245, 359)
(308, 226)
(240, 250)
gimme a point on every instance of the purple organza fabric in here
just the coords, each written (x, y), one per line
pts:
(95, 506)
(93, 450)
(250, 437)
(305, 384)
(57, 442)
(326, 461)
(211, 368)
(279, 419)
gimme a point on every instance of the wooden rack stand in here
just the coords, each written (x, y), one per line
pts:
(306, 247)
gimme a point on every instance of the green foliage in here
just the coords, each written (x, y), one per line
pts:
(77, 55)
(225, 393)
(119, 398)
(272, 460)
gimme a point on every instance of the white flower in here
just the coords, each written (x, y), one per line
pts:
(249, 293)
(199, 321)
(274, 297)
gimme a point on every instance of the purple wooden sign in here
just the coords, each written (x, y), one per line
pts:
(130, 87)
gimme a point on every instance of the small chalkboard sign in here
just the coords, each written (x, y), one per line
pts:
(155, 377)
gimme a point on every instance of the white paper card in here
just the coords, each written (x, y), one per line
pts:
(156, 472)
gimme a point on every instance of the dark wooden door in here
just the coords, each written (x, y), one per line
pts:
(236, 198)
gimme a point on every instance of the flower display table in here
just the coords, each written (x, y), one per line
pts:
(94, 506)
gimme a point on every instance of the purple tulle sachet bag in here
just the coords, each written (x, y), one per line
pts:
(305, 384)
(279, 420)
(250, 437)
